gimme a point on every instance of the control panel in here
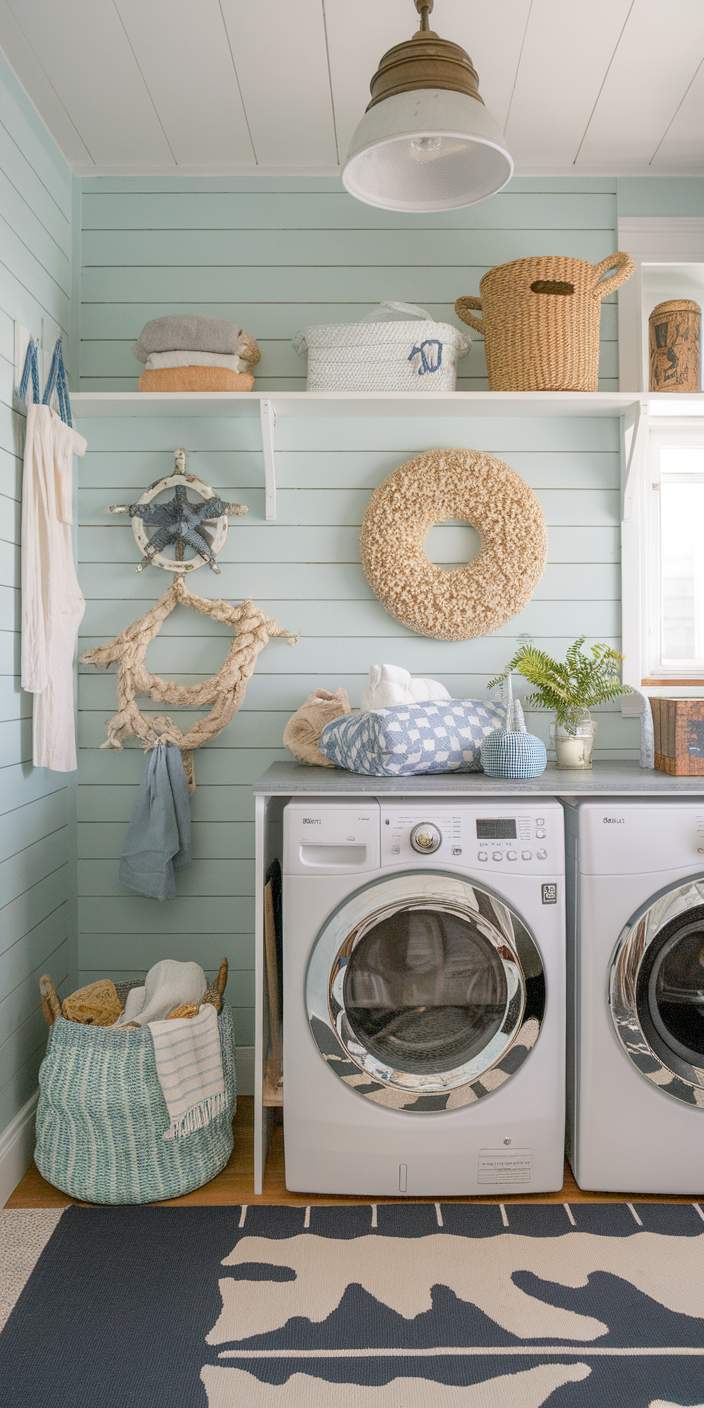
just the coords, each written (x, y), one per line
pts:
(473, 838)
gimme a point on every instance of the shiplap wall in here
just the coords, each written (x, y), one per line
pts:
(37, 809)
(277, 255)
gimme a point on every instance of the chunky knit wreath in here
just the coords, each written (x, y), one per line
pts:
(462, 602)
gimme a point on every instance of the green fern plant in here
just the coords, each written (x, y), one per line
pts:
(571, 686)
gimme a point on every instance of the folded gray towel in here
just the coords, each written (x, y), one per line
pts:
(158, 840)
(187, 332)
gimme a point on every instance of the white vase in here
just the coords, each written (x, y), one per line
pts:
(574, 744)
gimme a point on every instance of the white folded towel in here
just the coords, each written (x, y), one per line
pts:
(168, 984)
(390, 684)
(156, 360)
(189, 1067)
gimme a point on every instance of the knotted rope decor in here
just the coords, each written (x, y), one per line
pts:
(224, 692)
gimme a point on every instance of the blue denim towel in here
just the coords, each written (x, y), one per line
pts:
(158, 840)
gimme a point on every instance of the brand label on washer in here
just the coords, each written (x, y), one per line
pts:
(505, 1166)
(549, 893)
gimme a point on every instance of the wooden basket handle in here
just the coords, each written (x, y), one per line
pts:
(220, 984)
(623, 267)
(462, 309)
(51, 1004)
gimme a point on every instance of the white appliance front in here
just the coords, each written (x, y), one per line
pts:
(423, 996)
(636, 995)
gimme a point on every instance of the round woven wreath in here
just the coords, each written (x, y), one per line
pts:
(461, 602)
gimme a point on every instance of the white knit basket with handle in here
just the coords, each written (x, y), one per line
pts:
(396, 347)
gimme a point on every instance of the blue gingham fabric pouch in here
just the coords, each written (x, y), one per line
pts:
(408, 739)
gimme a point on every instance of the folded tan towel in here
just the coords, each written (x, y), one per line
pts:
(304, 728)
(195, 379)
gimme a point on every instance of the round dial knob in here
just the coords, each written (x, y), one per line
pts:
(425, 838)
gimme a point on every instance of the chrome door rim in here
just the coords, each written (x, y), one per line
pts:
(678, 1078)
(366, 1073)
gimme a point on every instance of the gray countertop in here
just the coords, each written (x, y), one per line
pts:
(610, 779)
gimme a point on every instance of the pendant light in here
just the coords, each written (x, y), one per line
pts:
(426, 141)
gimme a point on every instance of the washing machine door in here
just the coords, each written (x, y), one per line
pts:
(656, 991)
(425, 992)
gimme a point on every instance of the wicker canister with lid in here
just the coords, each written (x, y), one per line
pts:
(674, 341)
(541, 319)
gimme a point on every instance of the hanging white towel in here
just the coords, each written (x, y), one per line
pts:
(52, 601)
(189, 1067)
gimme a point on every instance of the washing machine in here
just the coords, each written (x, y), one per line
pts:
(635, 873)
(424, 1006)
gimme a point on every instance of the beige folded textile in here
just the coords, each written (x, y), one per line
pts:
(304, 728)
(195, 379)
(157, 360)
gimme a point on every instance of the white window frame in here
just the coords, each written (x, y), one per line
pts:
(641, 569)
(650, 240)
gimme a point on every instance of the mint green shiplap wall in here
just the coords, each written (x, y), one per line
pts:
(279, 254)
(37, 809)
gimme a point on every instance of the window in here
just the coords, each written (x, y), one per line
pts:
(672, 647)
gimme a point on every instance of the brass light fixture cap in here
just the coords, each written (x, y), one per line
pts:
(425, 61)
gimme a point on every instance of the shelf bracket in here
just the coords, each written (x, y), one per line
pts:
(634, 428)
(267, 424)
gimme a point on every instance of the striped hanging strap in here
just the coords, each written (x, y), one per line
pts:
(57, 382)
(30, 369)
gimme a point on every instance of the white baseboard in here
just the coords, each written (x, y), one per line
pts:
(245, 1070)
(17, 1148)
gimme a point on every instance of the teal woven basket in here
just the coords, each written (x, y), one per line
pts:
(101, 1118)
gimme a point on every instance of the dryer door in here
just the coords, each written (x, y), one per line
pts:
(425, 992)
(657, 991)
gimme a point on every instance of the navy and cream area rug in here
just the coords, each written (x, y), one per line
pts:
(441, 1305)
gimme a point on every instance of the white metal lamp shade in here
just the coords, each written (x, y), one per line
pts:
(426, 149)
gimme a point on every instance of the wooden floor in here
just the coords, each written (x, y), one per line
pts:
(234, 1184)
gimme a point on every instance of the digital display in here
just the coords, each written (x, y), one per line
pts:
(496, 829)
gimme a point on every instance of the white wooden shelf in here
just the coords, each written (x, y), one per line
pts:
(632, 408)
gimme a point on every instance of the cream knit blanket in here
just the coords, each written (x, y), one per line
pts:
(189, 1067)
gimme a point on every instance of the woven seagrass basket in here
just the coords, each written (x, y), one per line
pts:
(101, 1117)
(541, 320)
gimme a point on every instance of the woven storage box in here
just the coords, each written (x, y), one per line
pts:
(678, 725)
(101, 1117)
(541, 321)
(398, 347)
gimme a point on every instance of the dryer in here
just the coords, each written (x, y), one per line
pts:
(424, 1005)
(636, 994)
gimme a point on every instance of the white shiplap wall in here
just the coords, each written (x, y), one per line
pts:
(279, 254)
(37, 809)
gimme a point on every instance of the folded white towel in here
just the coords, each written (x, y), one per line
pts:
(168, 984)
(156, 360)
(390, 684)
(189, 1067)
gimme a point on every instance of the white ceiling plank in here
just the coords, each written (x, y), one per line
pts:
(659, 50)
(37, 82)
(682, 146)
(93, 70)
(565, 57)
(281, 60)
(183, 52)
(358, 36)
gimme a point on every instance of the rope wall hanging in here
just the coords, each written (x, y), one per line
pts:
(462, 602)
(180, 522)
(224, 691)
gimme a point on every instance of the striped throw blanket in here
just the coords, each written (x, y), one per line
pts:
(189, 1067)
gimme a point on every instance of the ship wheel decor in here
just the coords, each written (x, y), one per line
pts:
(181, 523)
(223, 692)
